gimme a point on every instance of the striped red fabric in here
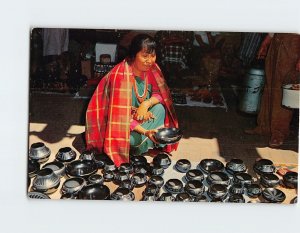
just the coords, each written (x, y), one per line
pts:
(109, 112)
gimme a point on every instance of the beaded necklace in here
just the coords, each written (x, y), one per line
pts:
(142, 97)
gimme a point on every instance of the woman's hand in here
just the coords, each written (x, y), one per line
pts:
(142, 111)
(150, 134)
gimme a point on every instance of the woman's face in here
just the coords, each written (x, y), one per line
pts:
(144, 60)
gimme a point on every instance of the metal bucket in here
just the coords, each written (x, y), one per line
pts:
(251, 92)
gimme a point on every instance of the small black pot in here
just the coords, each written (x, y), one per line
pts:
(166, 197)
(157, 180)
(269, 180)
(163, 160)
(194, 174)
(183, 165)
(290, 180)
(174, 186)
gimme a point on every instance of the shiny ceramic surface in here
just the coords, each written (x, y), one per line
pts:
(39, 152)
(183, 165)
(94, 192)
(57, 167)
(218, 178)
(273, 195)
(235, 166)
(81, 168)
(174, 186)
(73, 185)
(210, 165)
(65, 155)
(194, 174)
(46, 181)
(163, 160)
(168, 135)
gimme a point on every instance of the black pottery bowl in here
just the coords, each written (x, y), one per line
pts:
(217, 192)
(174, 186)
(183, 165)
(149, 197)
(96, 179)
(290, 180)
(137, 160)
(194, 174)
(120, 177)
(139, 179)
(122, 194)
(200, 198)
(236, 198)
(183, 197)
(46, 181)
(108, 175)
(273, 195)
(156, 169)
(37, 195)
(110, 166)
(57, 167)
(101, 160)
(126, 167)
(142, 168)
(194, 188)
(210, 165)
(87, 155)
(65, 155)
(39, 152)
(237, 189)
(33, 167)
(218, 178)
(254, 190)
(162, 159)
(127, 184)
(269, 180)
(151, 188)
(81, 168)
(94, 192)
(166, 197)
(157, 180)
(168, 135)
(235, 166)
(72, 186)
(243, 178)
(264, 166)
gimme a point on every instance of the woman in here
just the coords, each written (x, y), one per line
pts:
(282, 52)
(130, 103)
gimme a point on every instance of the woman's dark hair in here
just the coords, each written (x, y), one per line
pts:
(140, 42)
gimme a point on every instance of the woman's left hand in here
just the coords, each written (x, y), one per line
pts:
(150, 134)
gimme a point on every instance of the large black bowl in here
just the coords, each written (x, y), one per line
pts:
(94, 192)
(264, 166)
(174, 186)
(210, 165)
(273, 195)
(163, 160)
(81, 168)
(168, 135)
(218, 178)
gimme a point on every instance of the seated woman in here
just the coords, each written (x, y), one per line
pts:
(130, 103)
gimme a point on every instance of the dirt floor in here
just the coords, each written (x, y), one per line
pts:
(58, 120)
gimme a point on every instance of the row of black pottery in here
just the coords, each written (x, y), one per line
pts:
(210, 180)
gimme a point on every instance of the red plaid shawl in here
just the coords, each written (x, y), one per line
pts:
(109, 112)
